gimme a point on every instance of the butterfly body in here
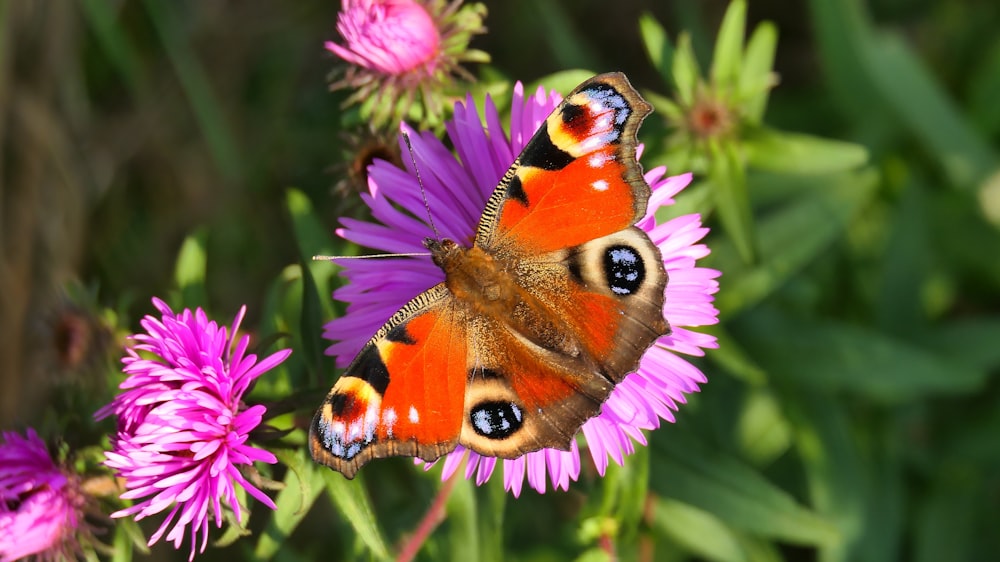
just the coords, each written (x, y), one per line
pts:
(534, 324)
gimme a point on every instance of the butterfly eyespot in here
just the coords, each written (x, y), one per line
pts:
(496, 420)
(623, 269)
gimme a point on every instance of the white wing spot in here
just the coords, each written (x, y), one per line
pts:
(598, 160)
(600, 185)
(414, 415)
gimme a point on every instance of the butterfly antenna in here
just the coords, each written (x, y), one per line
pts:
(420, 182)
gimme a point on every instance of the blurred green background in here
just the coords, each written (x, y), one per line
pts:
(852, 412)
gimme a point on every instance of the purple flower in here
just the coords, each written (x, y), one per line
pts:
(402, 50)
(456, 191)
(182, 425)
(389, 36)
(40, 506)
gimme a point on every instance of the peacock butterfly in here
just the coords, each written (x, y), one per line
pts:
(555, 302)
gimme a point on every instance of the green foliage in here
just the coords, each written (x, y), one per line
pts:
(853, 407)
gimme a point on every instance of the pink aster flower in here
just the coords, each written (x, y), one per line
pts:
(182, 424)
(403, 50)
(40, 505)
(461, 186)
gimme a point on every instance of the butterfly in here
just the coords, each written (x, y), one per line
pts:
(554, 303)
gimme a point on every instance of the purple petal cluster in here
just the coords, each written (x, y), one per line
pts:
(182, 424)
(40, 506)
(457, 187)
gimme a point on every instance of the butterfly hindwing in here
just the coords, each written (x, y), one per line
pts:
(403, 394)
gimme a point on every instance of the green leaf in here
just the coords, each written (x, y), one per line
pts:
(790, 238)
(970, 341)
(984, 90)
(698, 531)
(189, 273)
(725, 486)
(685, 70)
(833, 356)
(303, 484)
(490, 504)
(311, 235)
(797, 153)
(756, 76)
(928, 112)
(877, 74)
(311, 320)
(563, 81)
(833, 469)
(197, 86)
(658, 47)
(728, 58)
(124, 541)
(734, 359)
(945, 523)
(763, 431)
(352, 502)
(906, 266)
(732, 202)
(463, 527)
(861, 490)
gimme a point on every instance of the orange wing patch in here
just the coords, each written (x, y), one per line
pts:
(403, 394)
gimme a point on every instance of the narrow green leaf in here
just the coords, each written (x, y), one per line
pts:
(790, 238)
(311, 235)
(463, 528)
(732, 202)
(906, 266)
(725, 486)
(189, 272)
(112, 37)
(698, 531)
(930, 113)
(945, 523)
(658, 47)
(568, 45)
(563, 81)
(832, 356)
(123, 544)
(832, 465)
(195, 82)
(491, 502)
(970, 341)
(728, 58)
(311, 320)
(756, 76)
(303, 484)
(984, 90)
(763, 431)
(734, 359)
(685, 70)
(796, 153)
(351, 500)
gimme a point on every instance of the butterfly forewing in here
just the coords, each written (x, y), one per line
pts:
(403, 394)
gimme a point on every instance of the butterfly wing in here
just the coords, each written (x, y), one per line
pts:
(590, 285)
(403, 394)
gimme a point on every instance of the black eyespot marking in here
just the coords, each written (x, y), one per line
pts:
(496, 420)
(399, 335)
(516, 192)
(542, 153)
(623, 269)
(369, 364)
